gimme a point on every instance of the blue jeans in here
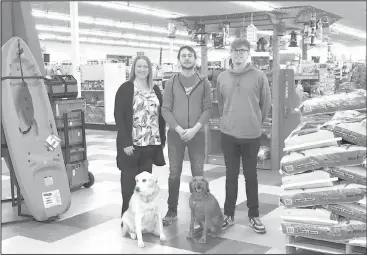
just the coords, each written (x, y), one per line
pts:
(176, 153)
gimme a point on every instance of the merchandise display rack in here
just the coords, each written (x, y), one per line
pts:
(277, 21)
(92, 89)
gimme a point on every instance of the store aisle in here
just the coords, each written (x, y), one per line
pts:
(92, 224)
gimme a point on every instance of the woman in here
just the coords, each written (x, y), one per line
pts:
(140, 125)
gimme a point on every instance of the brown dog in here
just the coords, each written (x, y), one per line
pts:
(204, 209)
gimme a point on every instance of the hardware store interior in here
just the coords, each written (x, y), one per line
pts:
(311, 165)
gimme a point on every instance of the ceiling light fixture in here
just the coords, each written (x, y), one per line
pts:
(350, 31)
(134, 8)
(104, 22)
(103, 41)
(113, 35)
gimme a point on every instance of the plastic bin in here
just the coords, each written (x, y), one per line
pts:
(62, 86)
(59, 107)
(79, 175)
(76, 154)
(75, 136)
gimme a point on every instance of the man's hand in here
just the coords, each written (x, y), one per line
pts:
(129, 150)
(180, 131)
(189, 134)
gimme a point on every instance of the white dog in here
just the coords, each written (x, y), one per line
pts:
(144, 214)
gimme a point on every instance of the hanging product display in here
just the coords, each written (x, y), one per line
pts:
(171, 30)
(293, 42)
(261, 43)
(218, 40)
(251, 33)
(226, 35)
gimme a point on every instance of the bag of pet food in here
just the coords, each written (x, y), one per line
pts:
(340, 193)
(314, 179)
(339, 232)
(321, 138)
(351, 211)
(354, 133)
(349, 116)
(332, 103)
(353, 174)
(317, 216)
(317, 158)
(315, 121)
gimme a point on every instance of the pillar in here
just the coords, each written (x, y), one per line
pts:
(304, 49)
(75, 57)
(171, 51)
(276, 104)
(204, 57)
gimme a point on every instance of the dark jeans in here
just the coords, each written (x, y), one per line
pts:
(176, 153)
(135, 164)
(233, 149)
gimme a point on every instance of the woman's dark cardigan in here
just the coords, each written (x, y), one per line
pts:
(124, 117)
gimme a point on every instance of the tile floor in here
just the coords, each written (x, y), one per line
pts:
(92, 224)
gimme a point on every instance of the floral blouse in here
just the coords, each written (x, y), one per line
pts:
(145, 118)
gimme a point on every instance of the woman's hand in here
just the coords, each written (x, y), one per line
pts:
(129, 150)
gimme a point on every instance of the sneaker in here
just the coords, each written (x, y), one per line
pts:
(228, 221)
(257, 225)
(169, 218)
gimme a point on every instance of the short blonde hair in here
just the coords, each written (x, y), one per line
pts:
(150, 74)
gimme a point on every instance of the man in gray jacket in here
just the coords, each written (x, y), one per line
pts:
(244, 102)
(186, 108)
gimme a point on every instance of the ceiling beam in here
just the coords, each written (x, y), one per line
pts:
(294, 18)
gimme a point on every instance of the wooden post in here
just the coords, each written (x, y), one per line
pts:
(204, 57)
(204, 72)
(304, 49)
(275, 129)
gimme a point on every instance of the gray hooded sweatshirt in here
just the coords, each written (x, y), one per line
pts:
(244, 101)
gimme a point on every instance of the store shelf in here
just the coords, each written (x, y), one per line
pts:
(306, 76)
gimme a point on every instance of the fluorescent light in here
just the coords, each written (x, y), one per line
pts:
(258, 5)
(102, 41)
(50, 15)
(264, 32)
(104, 22)
(113, 35)
(350, 31)
(136, 9)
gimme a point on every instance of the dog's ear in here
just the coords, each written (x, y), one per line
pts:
(206, 185)
(190, 184)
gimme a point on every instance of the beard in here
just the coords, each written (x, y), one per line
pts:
(188, 68)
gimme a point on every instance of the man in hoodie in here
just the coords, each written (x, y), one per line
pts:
(244, 102)
(186, 108)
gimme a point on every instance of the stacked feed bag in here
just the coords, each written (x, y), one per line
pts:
(324, 170)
